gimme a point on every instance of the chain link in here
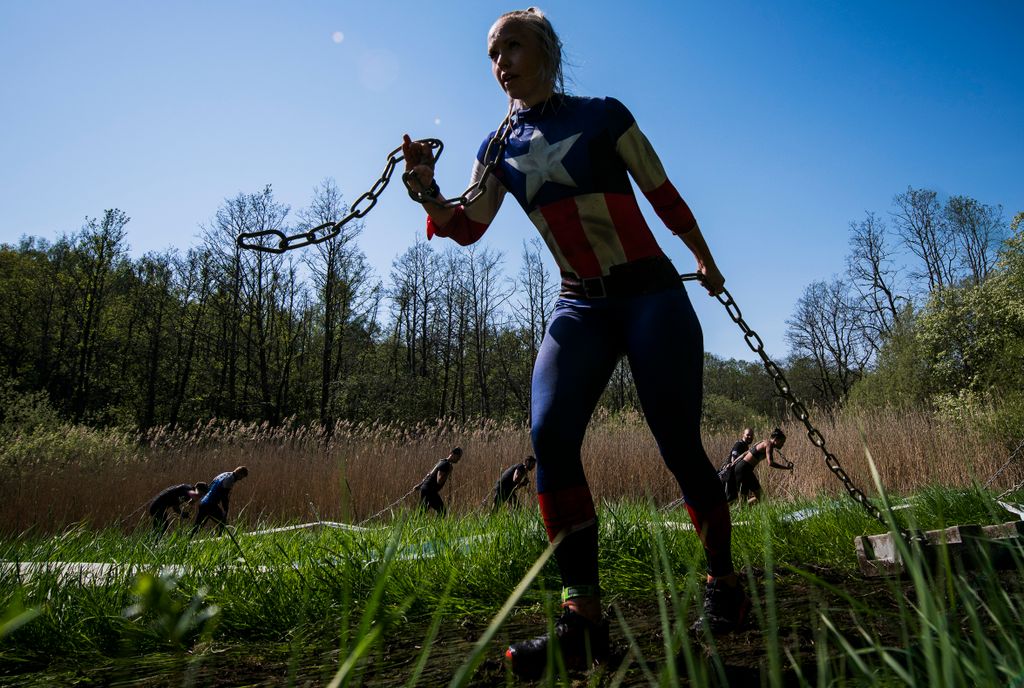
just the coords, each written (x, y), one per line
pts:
(798, 410)
(276, 241)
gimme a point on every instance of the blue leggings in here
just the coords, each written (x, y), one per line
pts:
(660, 335)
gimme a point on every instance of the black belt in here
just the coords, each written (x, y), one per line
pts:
(644, 276)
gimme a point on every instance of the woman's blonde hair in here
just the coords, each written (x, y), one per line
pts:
(551, 45)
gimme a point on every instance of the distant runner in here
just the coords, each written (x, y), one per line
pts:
(511, 480)
(430, 488)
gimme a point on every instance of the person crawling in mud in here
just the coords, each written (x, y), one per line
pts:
(746, 480)
(173, 498)
(215, 503)
(430, 487)
(512, 479)
(567, 162)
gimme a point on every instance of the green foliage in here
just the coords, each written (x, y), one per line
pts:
(724, 414)
(24, 412)
(16, 614)
(65, 444)
(962, 354)
(746, 385)
(171, 618)
(902, 373)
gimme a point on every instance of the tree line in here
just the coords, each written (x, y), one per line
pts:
(926, 315)
(178, 337)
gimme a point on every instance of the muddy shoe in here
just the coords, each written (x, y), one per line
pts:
(725, 608)
(580, 641)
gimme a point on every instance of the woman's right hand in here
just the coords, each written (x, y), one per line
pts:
(419, 159)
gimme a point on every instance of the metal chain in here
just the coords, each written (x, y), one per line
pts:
(756, 345)
(328, 230)
(389, 506)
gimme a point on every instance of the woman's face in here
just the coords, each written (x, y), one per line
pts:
(517, 61)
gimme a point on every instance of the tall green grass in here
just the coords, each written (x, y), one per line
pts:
(428, 601)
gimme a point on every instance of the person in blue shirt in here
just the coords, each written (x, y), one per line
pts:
(214, 504)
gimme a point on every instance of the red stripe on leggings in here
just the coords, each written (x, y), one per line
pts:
(567, 510)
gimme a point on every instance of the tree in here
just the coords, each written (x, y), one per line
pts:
(254, 290)
(341, 279)
(827, 328)
(538, 293)
(192, 285)
(486, 297)
(415, 285)
(153, 303)
(99, 248)
(874, 278)
(535, 294)
(453, 329)
(977, 230)
(920, 225)
(745, 383)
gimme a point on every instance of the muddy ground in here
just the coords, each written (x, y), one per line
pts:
(739, 659)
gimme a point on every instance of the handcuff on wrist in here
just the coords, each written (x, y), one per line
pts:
(432, 191)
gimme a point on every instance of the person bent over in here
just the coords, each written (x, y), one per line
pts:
(512, 479)
(214, 505)
(173, 498)
(746, 480)
(430, 487)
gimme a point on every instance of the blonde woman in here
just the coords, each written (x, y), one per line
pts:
(568, 163)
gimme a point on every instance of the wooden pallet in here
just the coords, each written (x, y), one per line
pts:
(999, 546)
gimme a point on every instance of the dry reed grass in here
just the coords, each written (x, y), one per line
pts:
(298, 474)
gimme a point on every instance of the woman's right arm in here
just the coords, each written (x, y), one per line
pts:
(462, 224)
(419, 159)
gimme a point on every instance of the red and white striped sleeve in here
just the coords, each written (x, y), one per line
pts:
(469, 223)
(647, 171)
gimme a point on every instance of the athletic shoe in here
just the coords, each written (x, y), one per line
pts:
(725, 608)
(580, 640)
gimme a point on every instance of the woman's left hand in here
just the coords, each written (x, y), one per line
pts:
(711, 278)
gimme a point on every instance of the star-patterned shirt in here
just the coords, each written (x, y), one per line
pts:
(568, 163)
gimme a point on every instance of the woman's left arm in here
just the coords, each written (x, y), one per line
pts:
(711, 276)
(645, 167)
(773, 463)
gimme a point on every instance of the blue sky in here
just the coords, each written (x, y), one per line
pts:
(780, 122)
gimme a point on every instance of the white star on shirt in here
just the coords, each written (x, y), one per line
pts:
(543, 163)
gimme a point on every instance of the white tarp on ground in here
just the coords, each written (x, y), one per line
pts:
(81, 572)
(284, 529)
(1013, 509)
(431, 548)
